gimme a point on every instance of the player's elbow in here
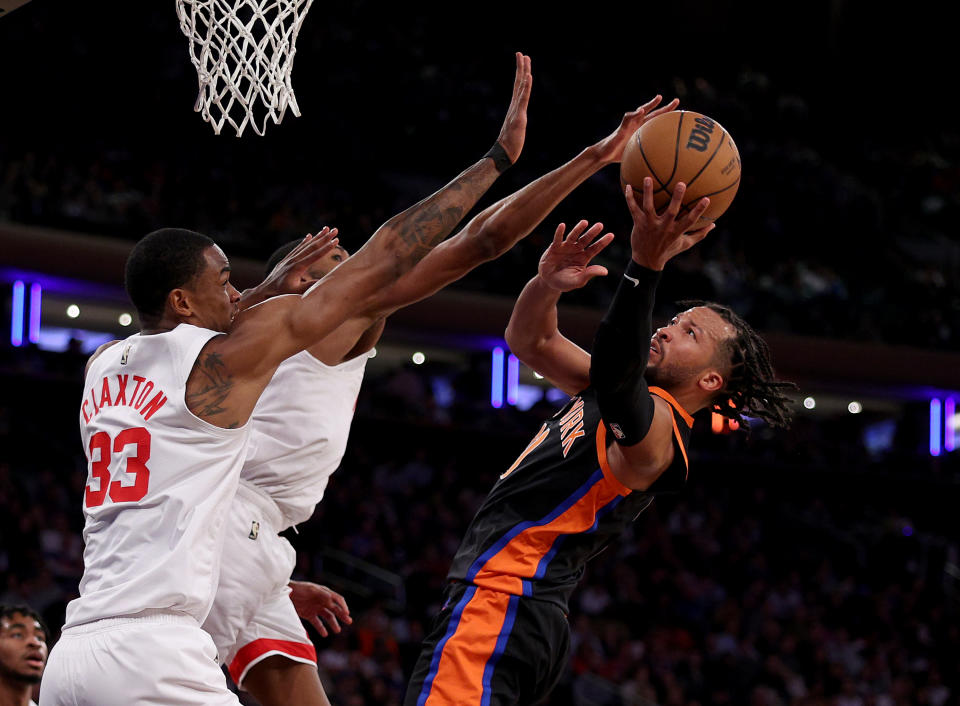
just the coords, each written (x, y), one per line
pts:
(502, 229)
(518, 340)
(527, 345)
(486, 241)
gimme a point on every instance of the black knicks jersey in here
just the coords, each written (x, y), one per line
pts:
(559, 505)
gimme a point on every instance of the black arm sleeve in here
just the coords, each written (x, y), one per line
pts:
(621, 348)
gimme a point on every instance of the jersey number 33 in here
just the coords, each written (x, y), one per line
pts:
(102, 451)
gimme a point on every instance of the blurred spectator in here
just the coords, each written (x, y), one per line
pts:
(23, 654)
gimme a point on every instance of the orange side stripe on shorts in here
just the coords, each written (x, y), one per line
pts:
(459, 678)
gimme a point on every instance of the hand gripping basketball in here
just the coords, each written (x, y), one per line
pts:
(657, 237)
(687, 147)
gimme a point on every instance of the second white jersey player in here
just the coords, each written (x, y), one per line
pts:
(300, 429)
(299, 434)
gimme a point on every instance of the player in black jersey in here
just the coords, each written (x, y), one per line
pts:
(502, 635)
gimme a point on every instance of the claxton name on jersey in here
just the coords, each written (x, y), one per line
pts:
(122, 390)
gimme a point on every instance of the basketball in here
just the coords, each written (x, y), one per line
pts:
(684, 146)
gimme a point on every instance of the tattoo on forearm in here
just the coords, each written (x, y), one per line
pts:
(426, 224)
(207, 393)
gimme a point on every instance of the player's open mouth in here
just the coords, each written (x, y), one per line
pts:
(35, 662)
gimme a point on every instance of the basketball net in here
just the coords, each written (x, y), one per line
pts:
(243, 52)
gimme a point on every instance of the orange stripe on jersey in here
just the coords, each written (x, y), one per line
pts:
(668, 398)
(604, 463)
(683, 450)
(537, 440)
(459, 677)
(520, 557)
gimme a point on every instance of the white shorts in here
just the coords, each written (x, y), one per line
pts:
(155, 658)
(252, 616)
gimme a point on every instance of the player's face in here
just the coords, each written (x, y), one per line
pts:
(23, 649)
(215, 300)
(326, 264)
(686, 347)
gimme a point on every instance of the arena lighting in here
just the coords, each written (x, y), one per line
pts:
(513, 379)
(36, 295)
(935, 426)
(854, 407)
(496, 378)
(950, 424)
(418, 358)
(16, 318)
(73, 311)
(125, 319)
(810, 403)
(537, 375)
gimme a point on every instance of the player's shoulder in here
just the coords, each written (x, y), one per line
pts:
(98, 352)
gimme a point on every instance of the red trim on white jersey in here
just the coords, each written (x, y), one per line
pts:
(258, 650)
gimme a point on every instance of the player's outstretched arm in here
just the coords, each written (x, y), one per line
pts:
(500, 226)
(232, 370)
(533, 334)
(407, 238)
(642, 425)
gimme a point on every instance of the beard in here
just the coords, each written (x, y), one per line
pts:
(11, 675)
(664, 376)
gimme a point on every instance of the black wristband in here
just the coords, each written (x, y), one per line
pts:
(499, 156)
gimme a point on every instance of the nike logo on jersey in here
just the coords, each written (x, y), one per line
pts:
(635, 281)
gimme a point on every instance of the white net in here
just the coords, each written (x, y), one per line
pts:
(243, 52)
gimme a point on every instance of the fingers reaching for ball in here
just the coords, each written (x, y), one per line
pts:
(658, 236)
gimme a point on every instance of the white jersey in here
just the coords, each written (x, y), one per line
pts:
(299, 431)
(159, 486)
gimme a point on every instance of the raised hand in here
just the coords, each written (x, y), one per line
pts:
(318, 605)
(611, 147)
(288, 276)
(657, 237)
(565, 265)
(514, 130)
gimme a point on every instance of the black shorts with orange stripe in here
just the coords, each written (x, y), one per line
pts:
(490, 648)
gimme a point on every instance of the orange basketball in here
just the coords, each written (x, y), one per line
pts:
(688, 147)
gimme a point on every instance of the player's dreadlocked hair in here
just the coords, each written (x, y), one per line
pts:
(751, 387)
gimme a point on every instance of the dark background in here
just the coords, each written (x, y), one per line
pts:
(799, 558)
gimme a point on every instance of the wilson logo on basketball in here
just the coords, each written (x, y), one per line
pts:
(699, 138)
